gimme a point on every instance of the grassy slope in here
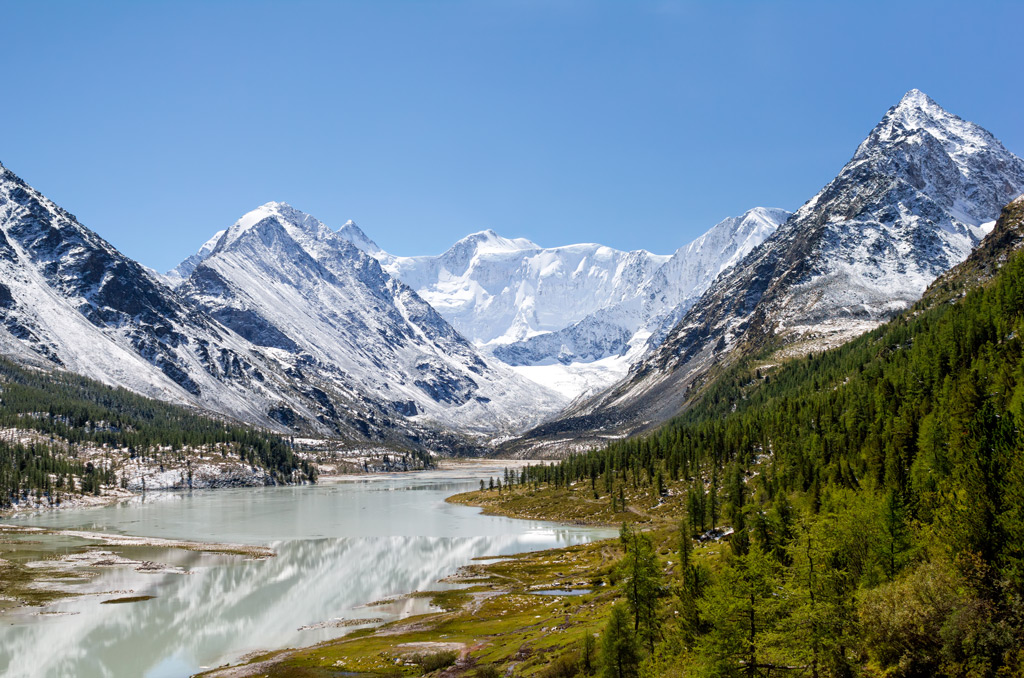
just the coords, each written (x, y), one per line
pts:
(495, 621)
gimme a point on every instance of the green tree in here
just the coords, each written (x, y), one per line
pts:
(895, 534)
(742, 608)
(588, 648)
(642, 586)
(689, 618)
(822, 623)
(620, 657)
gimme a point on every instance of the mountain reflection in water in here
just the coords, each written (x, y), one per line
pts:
(226, 607)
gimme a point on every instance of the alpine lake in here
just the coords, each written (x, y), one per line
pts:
(345, 554)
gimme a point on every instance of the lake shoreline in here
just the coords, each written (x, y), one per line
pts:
(114, 495)
(494, 617)
(97, 543)
(24, 586)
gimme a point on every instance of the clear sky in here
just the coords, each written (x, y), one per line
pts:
(633, 124)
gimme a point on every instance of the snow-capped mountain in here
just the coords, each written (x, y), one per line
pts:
(176, 275)
(627, 328)
(69, 299)
(288, 283)
(570, 318)
(917, 196)
(497, 290)
(689, 273)
(349, 231)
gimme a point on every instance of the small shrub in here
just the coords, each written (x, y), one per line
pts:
(928, 623)
(564, 666)
(435, 660)
(487, 671)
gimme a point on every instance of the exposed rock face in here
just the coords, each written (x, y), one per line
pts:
(1006, 239)
(285, 281)
(69, 299)
(914, 200)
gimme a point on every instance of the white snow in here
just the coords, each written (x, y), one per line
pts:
(576, 315)
(577, 379)
(367, 332)
(496, 290)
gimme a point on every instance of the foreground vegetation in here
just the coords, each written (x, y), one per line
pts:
(499, 623)
(875, 493)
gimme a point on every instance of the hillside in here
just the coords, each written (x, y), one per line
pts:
(918, 195)
(872, 496)
(63, 436)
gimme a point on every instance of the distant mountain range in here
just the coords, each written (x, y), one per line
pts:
(283, 322)
(296, 288)
(247, 334)
(571, 318)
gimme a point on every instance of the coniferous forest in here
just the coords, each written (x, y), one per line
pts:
(871, 498)
(68, 412)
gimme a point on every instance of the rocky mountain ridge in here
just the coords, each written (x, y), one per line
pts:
(286, 323)
(288, 283)
(919, 193)
(69, 300)
(572, 318)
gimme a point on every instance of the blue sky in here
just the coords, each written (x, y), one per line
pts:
(634, 124)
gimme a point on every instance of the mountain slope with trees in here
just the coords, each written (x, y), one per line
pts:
(63, 435)
(871, 497)
(914, 200)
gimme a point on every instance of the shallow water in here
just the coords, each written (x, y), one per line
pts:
(339, 546)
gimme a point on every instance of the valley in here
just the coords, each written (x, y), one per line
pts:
(798, 424)
(900, 555)
(350, 543)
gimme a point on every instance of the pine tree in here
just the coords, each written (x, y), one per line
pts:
(689, 618)
(742, 609)
(895, 534)
(619, 655)
(642, 585)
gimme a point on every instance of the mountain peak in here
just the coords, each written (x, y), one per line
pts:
(919, 138)
(355, 235)
(296, 222)
(916, 113)
(915, 98)
(772, 215)
(489, 241)
(907, 207)
(269, 209)
(917, 110)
